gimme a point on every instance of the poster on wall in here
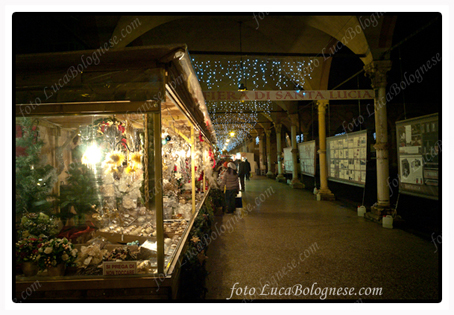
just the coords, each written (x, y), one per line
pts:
(307, 157)
(288, 161)
(346, 157)
(418, 152)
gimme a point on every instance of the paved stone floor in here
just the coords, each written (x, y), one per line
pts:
(291, 246)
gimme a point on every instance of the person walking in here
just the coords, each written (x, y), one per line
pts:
(248, 168)
(230, 181)
(242, 171)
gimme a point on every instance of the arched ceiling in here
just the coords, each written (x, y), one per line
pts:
(309, 36)
(288, 38)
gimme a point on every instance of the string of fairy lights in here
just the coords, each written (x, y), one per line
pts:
(276, 73)
(228, 73)
(241, 117)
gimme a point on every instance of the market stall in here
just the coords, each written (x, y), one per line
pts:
(114, 159)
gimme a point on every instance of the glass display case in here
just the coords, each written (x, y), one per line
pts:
(111, 169)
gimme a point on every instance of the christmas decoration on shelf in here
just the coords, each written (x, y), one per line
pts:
(36, 225)
(90, 255)
(56, 251)
(27, 249)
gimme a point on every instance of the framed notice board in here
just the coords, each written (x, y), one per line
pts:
(288, 161)
(347, 157)
(307, 157)
(418, 152)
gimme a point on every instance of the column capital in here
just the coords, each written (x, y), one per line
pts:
(322, 105)
(322, 102)
(278, 128)
(377, 71)
(268, 132)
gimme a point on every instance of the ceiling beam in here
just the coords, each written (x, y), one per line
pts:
(248, 112)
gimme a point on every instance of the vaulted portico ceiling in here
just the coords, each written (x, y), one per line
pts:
(277, 53)
(269, 41)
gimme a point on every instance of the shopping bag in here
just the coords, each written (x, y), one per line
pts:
(238, 202)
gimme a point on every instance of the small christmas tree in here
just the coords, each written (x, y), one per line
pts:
(34, 181)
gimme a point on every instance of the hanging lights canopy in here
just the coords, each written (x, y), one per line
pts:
(229, 73)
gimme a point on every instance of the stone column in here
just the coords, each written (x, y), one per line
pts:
(280, 177)
(296, 184)
(306, 136)
(377, 70)
(324, 192)
(261, 161)
(269, 174)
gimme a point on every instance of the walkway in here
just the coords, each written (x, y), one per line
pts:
(290, 240)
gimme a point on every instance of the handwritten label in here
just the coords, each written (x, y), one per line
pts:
(114, 268)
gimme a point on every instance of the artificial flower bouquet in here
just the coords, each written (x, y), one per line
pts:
(56, 251)
(27, 249)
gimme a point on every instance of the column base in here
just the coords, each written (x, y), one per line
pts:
(377, 212)
(326, 195)
(281, 179)
(296, 184)
(270, 174)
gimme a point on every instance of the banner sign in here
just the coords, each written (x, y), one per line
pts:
(282, 95)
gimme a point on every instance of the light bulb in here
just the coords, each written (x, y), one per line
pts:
(92, 155)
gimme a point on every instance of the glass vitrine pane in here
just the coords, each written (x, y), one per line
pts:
(86, 178)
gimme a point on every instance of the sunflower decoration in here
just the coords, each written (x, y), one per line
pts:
(136, 158)
(111, 169)
(115, 158)
(130, 170)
